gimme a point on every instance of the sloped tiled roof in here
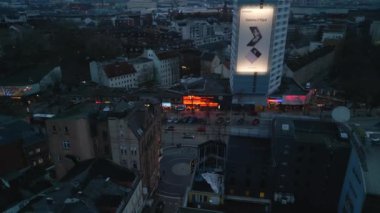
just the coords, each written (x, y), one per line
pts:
(167, 55)
(118, 69)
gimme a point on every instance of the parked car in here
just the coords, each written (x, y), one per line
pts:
(169, 128)
(186, 136)
(255, 122)
(220, 120)
(227, 121)
(180, 107)
(170, 120)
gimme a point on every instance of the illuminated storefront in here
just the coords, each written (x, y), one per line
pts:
(291, 102)
(196, 102)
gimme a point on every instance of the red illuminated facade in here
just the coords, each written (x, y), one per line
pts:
(192, 101)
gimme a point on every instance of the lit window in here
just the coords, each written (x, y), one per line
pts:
(38, 150)
(66, 144)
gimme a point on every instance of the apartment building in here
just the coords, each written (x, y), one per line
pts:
(117, 74)
(166, 67)
(134, 130)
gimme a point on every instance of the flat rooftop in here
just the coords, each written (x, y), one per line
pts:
(304, 130)
(207, 86)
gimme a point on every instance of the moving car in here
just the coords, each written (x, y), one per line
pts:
(186, 136)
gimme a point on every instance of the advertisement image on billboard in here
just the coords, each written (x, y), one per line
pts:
(255, 30)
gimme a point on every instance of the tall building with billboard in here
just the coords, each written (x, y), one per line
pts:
(257, 50)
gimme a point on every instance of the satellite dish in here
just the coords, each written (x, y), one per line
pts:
(341, 114)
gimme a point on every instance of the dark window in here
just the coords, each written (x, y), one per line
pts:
(311, 161)
(247, 182)
(263, 183)
(248, 171)
(232, 181)
(299, 159)
(105, 135)
(54, 128)
(66, 129)
(301, 148)
(66, 144)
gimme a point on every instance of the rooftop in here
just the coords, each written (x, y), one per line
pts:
(14, 130)
(89, 187)
(306, 130)
(196, 210)
(167, 55)
(289, 87)
(118, 69)
(139, 60)
(76, 111)
(207, 86)
(22, 184)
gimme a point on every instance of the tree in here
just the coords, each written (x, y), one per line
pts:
(102, 47)
(355, 69)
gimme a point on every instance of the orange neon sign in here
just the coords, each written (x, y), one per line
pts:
(200, 101)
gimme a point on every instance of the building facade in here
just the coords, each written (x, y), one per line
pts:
(135, 138)
(361, 189)
(118, 74)
(201, 32)
(144, 68)
(76, 135)
(310, 158)
(258, 46)
(166, 67)
(21, 147)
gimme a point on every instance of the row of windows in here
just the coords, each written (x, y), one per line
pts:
(31, 152)
(279, 16)
(39, 161)
(123, 77)
(283, 9)
(54, 128)
(124, 85)
(124, 150)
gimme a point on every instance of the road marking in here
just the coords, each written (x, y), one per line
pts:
(170, 197)
(171, 183)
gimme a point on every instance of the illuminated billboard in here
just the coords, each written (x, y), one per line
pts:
(255, 31)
